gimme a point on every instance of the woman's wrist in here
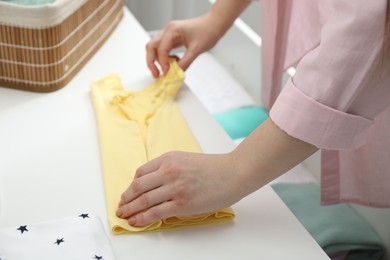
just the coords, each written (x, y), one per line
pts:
(224, 13)
(265, 155)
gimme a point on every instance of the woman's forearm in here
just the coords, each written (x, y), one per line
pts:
(224, 13)
(265, 155)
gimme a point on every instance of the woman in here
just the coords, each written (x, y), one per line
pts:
(338, 102)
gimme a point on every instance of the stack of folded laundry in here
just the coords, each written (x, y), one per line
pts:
(224, 97)
(337, 228)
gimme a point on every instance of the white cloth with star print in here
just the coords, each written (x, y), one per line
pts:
(78, 237)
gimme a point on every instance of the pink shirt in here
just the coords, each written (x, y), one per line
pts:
(338, 100)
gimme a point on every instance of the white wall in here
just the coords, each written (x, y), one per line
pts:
(154, 14)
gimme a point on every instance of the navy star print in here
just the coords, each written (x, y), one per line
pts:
(58, 238)
(83, 216)
(59, 241)
(22, 229)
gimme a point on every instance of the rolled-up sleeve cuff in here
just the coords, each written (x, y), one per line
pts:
(304, 118)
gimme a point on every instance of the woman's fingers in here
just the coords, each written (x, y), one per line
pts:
(144, 202)
(187, 59)
(139, 186)
(146, 180)
(158, 51)
(149, 167)
(151, 56)
(170, 40)
(159, 48)
(160, 211)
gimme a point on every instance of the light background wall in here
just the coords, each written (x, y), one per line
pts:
(154, 14)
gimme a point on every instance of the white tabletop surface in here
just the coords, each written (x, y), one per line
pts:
(50, 167)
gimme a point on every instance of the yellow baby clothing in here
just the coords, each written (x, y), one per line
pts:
(135, 127)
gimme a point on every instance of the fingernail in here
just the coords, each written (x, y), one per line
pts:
(132, 221)
(119, 212)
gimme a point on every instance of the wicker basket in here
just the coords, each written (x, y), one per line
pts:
(43, 47)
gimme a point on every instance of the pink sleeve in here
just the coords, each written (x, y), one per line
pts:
(305, 118)
(327, 103)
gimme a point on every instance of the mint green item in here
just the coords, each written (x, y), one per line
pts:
(29, 2)
(240, 122)
(336, 228)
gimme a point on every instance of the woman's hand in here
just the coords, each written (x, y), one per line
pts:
(179, 184)
(197, 35)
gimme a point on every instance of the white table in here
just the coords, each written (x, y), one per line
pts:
(50, 167)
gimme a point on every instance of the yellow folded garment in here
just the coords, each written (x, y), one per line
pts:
(135, 127)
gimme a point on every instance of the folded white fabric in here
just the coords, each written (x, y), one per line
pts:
(214, 86)
(78, 237)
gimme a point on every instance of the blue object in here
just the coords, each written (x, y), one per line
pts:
(240, 122)
(336, 228)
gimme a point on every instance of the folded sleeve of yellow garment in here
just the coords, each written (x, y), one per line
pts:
(135, 127)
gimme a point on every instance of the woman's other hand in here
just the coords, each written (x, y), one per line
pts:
(179, 184)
